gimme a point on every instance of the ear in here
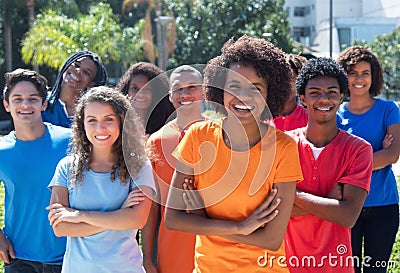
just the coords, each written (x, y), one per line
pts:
(6, 106)
(341, 97)
(303, 100)
(170, 96)
(44, 105)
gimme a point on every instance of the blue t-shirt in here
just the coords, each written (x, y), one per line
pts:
(372, 127)
(57, 115)
(110, 250)
(26, 168)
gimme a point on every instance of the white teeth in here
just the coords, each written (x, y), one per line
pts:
(243, 107)
(102, 137)
(186, 102)
(26, 112)
(323, 109)
(74, 77)
(140, 100)
(358, 86)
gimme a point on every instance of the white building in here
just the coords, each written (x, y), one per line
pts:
(351, 20)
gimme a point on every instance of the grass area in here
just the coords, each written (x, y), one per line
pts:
(395, 257)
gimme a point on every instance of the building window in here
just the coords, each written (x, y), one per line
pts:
(301, 11)
(288, 11)
(299, 32)
(344, 37)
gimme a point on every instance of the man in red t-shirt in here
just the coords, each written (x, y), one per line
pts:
(337, 169)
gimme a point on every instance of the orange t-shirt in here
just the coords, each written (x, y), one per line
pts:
(175, 251)
(233, 184)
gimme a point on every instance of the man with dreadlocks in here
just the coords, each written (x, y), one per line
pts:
(80, 71)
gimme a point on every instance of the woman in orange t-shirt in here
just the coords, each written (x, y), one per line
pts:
(243, 169)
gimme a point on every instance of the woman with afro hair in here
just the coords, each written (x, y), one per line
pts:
(235, 178)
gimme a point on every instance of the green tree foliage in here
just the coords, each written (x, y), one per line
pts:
(387, 48)
(54, 37)
(203, 26)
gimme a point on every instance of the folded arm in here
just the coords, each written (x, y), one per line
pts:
(177, 218)
(71, 222)
(343, 212)
(390, 155)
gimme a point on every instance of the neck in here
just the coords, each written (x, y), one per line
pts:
(102, 160)
(241, 138)
(142, 113)
(321, 135)
(69, 96)
(360, 104)
(28, 132)
(289, 108)
(184, 120)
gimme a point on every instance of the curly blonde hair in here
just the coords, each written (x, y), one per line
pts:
(130, 128)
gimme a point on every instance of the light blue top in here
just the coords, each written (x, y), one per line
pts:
(26, 168)
(372, 127)
(110, 250)
(57, 115)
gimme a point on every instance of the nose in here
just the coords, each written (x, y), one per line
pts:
(26, 103)
(101, 125)
(324, 96)
(184, 91)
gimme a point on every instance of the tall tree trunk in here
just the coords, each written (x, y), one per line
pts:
(7, 34)
(30, 6)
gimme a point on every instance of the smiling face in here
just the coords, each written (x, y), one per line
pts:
(360, 79)
(80, 74)
(142, 98)
(322, 98)
(186, 88)
(25, 104)
(245, 93)
(101, 125)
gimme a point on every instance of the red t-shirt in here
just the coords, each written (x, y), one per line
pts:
(297, 119)
(313, 244)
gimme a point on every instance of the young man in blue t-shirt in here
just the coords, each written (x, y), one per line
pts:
(28, 158)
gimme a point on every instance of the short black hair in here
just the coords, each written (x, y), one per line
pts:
(321, 67)
(24, 75)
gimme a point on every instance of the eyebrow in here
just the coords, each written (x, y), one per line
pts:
(85, 67)
(19, 95)
(110, 115)
(329, 87)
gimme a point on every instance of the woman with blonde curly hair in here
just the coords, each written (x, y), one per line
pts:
(90, 188)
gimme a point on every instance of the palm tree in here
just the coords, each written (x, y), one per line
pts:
(147, 33)
(8, 5)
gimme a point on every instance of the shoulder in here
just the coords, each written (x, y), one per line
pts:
(386, 104)
(289, 138)
(66, 161)
(354, 142)
(296, 135)
(7, 141)
(205, 127)
(58, 131)
(165, 131)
